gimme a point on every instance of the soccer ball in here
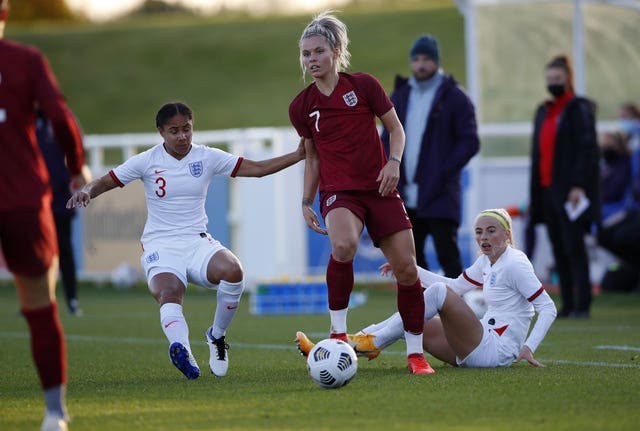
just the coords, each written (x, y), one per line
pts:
(332, 363)
(475, 301)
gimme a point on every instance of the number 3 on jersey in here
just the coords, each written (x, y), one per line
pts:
(161, 182)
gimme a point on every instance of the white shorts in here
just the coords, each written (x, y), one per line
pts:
(185, 257)
(488, 354)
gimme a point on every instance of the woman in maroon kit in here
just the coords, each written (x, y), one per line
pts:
(346, 162)
(27, 230)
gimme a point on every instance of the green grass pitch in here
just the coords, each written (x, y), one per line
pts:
(120, 377)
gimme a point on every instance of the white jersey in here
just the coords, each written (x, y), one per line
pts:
(513, 294)
(176, 190)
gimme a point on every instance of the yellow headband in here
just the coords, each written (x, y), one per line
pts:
(496, 216)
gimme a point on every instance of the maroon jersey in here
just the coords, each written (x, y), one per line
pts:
(26, 81)
(343, 129)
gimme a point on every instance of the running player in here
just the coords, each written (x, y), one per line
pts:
(176, 247)
(513, 294)
(345, 160)
(27, 230)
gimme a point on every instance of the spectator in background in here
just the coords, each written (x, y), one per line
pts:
(629, 116)
(441, 137)
(620, 231)
(27, 229)
(615, 174)
(564, 175)
(620, 184)
(60, 180)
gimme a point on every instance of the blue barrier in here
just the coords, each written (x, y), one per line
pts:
(307, 297)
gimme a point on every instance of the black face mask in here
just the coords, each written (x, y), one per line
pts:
(609, 155)
(556, 90)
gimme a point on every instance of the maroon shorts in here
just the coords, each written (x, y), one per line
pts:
(29, 240)
(382, 215)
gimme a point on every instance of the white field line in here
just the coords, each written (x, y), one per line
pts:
(627, 348)
(588, 363)
(130, 340)
(595, 329)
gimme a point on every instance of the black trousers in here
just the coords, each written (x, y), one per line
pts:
(570, 256)
(67, 261)
(444, 233)
(623, 238)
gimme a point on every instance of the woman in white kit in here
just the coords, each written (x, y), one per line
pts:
(511, 290)
(176, 247)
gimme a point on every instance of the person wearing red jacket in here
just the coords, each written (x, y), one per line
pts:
(565, 174)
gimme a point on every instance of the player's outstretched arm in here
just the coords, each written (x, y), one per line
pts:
(82, 179)
(252, 168)
(95, 188)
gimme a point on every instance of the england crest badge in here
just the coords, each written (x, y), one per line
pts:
(195, 168)
(350, 98)
(153, 257)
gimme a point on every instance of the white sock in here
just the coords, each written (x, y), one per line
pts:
(390, 331)
(55, 401)
(228, 299)
(338, 321)
(434, 298)
(414, 343)
(376, 327)
(174, 324)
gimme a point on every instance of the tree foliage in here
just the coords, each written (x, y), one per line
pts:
(31, 10)
(159, 6)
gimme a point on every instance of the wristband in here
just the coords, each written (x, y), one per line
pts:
(394, 159)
